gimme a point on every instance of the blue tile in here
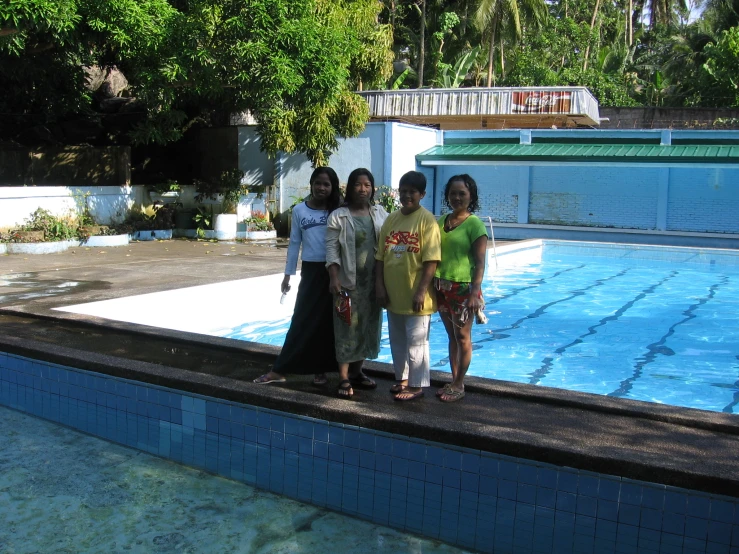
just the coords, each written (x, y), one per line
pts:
(470, 482)
(566, 501)
(367, 459)
(696, 528)
(306, 431)
(588, 485)
(673, 523)
(320, 449)
(547, 478)
(400, 467)
(722, 511)
(699, 506)
(546, 498)
(400, 448)
(607, 510)
(528, 474)
(351, 438)
(608, 489)
(717, 548)
(264, 420)
(508, 470)
(587, 506)
(351, 456)
(367, 440)
(629, 514)
(675, 502)
(384, 463)
(630, 493)
(507, 489)
(452, 478)
(651, 519)
(384, 445)
(567, 482)
(417, 452)
(526, 493)
(653, 498)
(434, 474)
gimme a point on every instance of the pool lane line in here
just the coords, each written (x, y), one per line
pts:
(657, 348)
(497, 333)
(540, 373)
(496, 336)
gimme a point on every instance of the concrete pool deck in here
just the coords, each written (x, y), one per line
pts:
(661, 444)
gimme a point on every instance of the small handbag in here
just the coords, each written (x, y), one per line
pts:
(343, 307)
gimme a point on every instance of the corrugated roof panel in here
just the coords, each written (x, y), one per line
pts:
(616, 153)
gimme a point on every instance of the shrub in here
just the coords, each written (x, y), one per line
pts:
(258, 222)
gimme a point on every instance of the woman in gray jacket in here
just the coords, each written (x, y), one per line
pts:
(351, 243)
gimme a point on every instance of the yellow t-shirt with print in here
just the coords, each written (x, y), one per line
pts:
(404, 244)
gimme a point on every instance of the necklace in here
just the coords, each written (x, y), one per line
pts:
(449, 226)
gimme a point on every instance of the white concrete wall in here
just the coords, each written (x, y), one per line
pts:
(407, 141)
(259, 168)
(107, 204)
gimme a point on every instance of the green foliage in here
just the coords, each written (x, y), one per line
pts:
(387, 198)
(54, 228)
(293, 63)
(203, 221)
(258, 222)
(722, 70)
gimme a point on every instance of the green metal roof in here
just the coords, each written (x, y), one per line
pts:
(584, 153)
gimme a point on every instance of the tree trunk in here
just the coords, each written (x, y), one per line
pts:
(422, 50)
(592, 24)
(491, 55)
(630, 22)
(502, 60)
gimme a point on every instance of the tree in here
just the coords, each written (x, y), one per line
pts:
(503, 17)
(293, 63)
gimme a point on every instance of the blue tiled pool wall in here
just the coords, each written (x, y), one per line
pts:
(470, 498)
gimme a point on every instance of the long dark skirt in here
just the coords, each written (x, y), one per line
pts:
(309, 344)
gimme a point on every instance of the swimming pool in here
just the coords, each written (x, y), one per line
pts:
(659, 324)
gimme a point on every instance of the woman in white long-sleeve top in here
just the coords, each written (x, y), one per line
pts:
(309, 344)
(351, 243)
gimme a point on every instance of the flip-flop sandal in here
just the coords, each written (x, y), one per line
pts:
(452, 395)
(443, 389)
(345, 389)
(413, 396)
(264, 380)
(398, 388)
(361, 381)
(321, 381)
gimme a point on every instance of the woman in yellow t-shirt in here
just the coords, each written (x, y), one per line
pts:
(458, 277)
(407, 253)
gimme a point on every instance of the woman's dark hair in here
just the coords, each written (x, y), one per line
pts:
(334, 198)
(352, 180)
(469, 182)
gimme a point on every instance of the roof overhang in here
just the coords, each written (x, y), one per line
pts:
(487, 108)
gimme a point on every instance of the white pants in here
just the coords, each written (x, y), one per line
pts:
(409, 344)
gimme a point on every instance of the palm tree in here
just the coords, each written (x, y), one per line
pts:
(503, 17)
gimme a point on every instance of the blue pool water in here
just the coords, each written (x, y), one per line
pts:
(655, 324)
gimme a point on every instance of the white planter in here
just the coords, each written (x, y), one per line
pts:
(106, 241)
(258, 235)
(225, 226)
(164, 234)
(3, 248)
(165, 197)
(40, 247)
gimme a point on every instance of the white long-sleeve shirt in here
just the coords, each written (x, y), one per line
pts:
(309, 231)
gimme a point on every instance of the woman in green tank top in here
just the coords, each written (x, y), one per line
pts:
(459, 277)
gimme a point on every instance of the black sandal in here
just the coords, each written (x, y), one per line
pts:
(345, 389)
(361, 381)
